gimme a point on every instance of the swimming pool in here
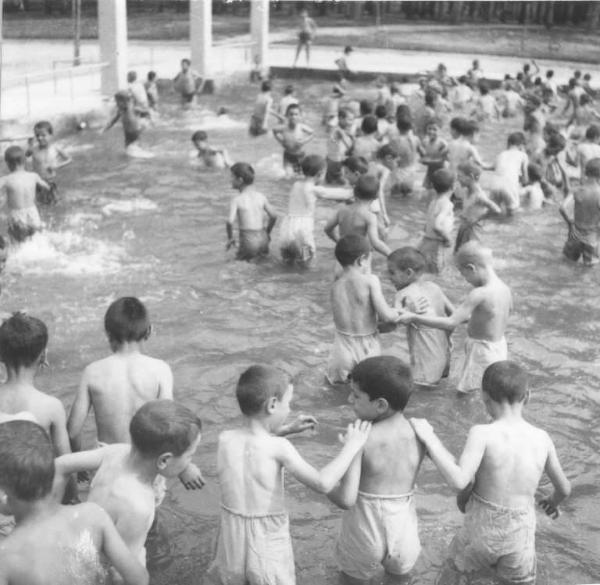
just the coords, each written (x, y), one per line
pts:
(155, 229)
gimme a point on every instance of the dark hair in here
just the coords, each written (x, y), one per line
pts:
(26, 460)
(430, 98)
(163, 426)
(515, 139)
(357, 164)
(484, 89)
(344, 113)
(470, 169)
(592, 168)
(442, 180)
(534, 172)
(288, 89)
(526, 67)
(387, 150)
(556, 142)
(408, 257)
(587, 77)
(384, 377)
(505, 381)
(470, 128)
(348, 49)
(43, 125)
(265, 86)
(458, 125)
(22, 340)
(257, 385)
(292, 107)
(593, 132)
(14, 157)
(403, 124)
(199, 135)
(365, 107)
(366, 188)
(538, 81)
(186, 60)
(151, 75)
(243, 171)
(127, 320)
(572, 82)
(312, 165)
(549, 73)
(369, 124)
(350, 248)
(519, 76)
(403, 112)
(380, 111)
(462, 79)
(584, 99)
(131, 76)
(577, 74)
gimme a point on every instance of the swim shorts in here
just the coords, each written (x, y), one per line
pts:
(252, 244)
(293, 160)
(23, 223)
(581, 243)
(496, 537)
(347, 351)
(297, 238)
(257, 126)
(45, 196)
(304, 36)
(436, 254)
(479, 354)
(378, 531)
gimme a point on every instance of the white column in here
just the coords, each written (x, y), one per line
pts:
(259, 32)
(201, 39)
(112, 33)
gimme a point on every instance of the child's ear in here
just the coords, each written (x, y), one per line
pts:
(162, 461)
(382, 405)
(271, 404)
(409, 272)
(148, 332)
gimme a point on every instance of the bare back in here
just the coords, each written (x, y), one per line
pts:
(302, 199)
(250, 207)
(354, 219)
(353, 309)
(587, 207)
(493, 303)
(20, 189)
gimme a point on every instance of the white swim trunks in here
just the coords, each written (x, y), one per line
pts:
(347, 351)
(479, 354)
(297, 238)
(23, 223)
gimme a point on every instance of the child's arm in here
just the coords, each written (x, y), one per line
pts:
(448, 306)
(330, 226)
(39, 181)
(309, 132)
(345, 492)
(483, 198)
(273, 215)
(373, 235)
(79, 411)
(325, 480)
(303, 422)
(277, 115)
(479, 161)
(562, 486)
(65, 158)
(278, 134)
(233, 210)
(165, 382)
(67, 465)
(333, 193)
(384, 311)
(111, 122)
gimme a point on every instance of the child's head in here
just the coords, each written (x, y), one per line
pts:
(534, 172)
(484, 88)
(577, 74)
(26, 461)
(348, 49)
(338, 91)
(265, 86)
(516, 139)
(352, 250)
(473, 261)
(555, 143)
(345, 118)
(43, 131)
(289, 89)
(592, 169)
(242, 175)
(572, 83)
(185, 64)
(585, 99)
(405, 265)
(432, 129)
(587, 77)
(468, 173)
(380, 81)
(476, 64)
(369, 125)
(366, 188)
(264, 392)
(462, 79)
(293, 113)
(14, 157)
(505, 382)
(151, 75)
(430, 99)
(442, 181)
(387, 154)
(199, 137)
(167, 432)
(381, 386)
(23, 341)
(549, 74)
(122, 99)
(458, 126)
(354, 167)
(532, 102)
(471, 128)
(404, 125)
(131, 76)
(312, 165)
(592, 133)
(526, 68)
(127, 321)
(381, 112)
(365, 108)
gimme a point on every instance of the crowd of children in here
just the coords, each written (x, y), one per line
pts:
(144, 436)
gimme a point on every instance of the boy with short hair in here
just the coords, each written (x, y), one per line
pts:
(339, 144)
(367, 144)
(460, 148)
(151, 90)
(486, 308)
(262, 108)
(249, 209)
(433, 150)
(588, 148)
(138, 92)
(510, 171)
(20, 187)
(498, 474)
(254, 544)
(358, 303)
(287, 100)
(293, 136)
(379, 525)
(210, 157)
(52, 543)
(187, 83)
(486, 107)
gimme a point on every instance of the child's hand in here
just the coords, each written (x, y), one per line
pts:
(303, 422)
(357, 433)
(405, 318)
(191, 478)
(421, 305)
(83, 477)
(548, 506)
(422, 428)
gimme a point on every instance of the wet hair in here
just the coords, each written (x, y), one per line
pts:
(577, 74)
(243, 171)
(556, 142)
(312, 165)
(344, 113)
(350, 248)
(380, 111)
(14, 157)
(592, 168)
(26, 460)
(470, 127)
(534, 172)
(387, 150)
(442, 180)
(587, 77)
(484, 89)
(550, 73)
(403, 124)
(199, 136)
(357, 164)
(430, 98)
(470, 169)
(593, 132)
(122, 95)
(473, 253)
(186, 61)
(584, 99)
(22, 340)
(163, 426)
(348, 49)
(403, 112)
(537, 81)
(265, 86)
(384, 377)
(408, 257)
(366, 188)
(43, 125)
(288, 89)
(365, 107)
(292, 107)
(505, 381)
(526, 67)
(369, 124)
(127, 320)
(515, 139)
(519, 76)
(151, 75)
(458, 124)
(257, 385)
(131, 76)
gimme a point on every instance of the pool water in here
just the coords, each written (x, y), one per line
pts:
(155, 229)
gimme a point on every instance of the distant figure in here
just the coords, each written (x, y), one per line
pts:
(343, 63)
(262, 108)
(209, 156)
(187, 83)
(306, 35)
(138, 93)
(151, 90)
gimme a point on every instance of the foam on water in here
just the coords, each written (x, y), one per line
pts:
(210, 120)
(270, 166)
(136, 205)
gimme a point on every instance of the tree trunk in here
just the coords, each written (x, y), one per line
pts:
(593, 15)
(357, 8)
(550, 14)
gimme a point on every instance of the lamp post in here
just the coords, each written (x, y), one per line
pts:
(76, 7)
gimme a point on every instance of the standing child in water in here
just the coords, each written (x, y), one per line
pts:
(293, 136)
(433, 150)
(151, 90)
(187, 83)
(262, 108)
(339, 143)
(46, 159)
(249, 209)
(486, 308)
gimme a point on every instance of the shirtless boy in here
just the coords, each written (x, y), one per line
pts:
(133, 124)
(249, 209)
(20, 187)
(510, 171)
(379, 526)
(486, 308)
(254, 544)
(498, 474)
(293, 136)
(209, 156)
(358, 303)
(308, 27)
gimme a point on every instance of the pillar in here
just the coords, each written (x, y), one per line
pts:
(112, 34)
(259, 32)
(201, 40)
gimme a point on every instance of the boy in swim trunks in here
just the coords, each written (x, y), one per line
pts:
(20, 187)
(46, 158)
(249, 209)
(486, 308)
(497, 478)
(254, 544)
(187, 83)
(54, 544)
(262, 108)
(379, 525)
(358, 303)
(207, 155)
(308, 27)
(293, 136)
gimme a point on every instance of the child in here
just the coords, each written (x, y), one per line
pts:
(53, 543)
(138, 93)
(589, 148)
(358, 217)
(151, 90)
(498, 474)
(164, 436)
(379, 525)
(262, 108)
(297, 238)
(384, 96)
(254, 544)
(187, 83)
(429, 348)
(293, 136)
(438, 226)
(433, 150)
(475, 74)
(486, 308)
(533, 193)
(486, 107)
(20, 188)
(384, 169)
(582, 240)
(343, 63)
(339, 144)
(460, 148)
(510, 171)
(332, 106)
(133, 124)
(534, 124)
(512, 101)
(367, 144)
(207, 155)
(383, 126)
(287, 100)
(358, 303)
(46, 159)
(462, 94)
(249, 208)
(555, 181)
(308, 27)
